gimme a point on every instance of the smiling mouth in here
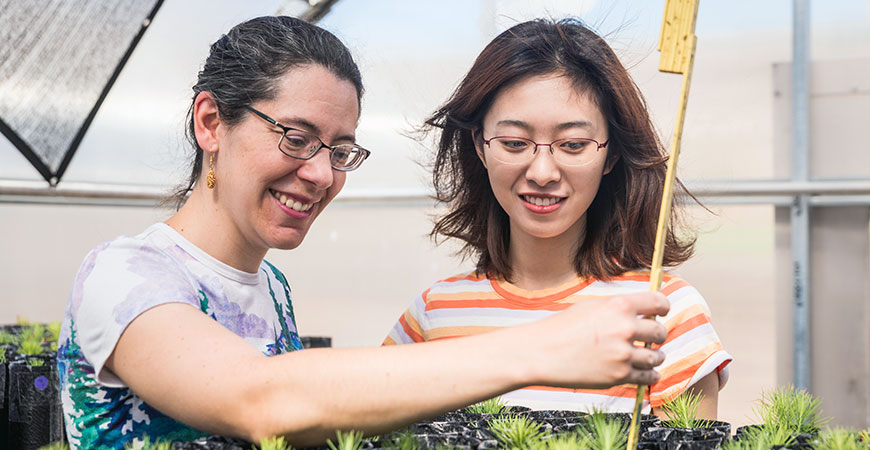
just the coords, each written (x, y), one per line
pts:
(542, 201)
(290, 203)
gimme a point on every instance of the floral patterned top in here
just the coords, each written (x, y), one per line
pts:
(123, 278)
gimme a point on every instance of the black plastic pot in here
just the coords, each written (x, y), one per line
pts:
(802, 441)
(316, 341)
(663, 438)
(33, 403)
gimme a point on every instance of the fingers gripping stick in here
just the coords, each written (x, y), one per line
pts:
(677, 44)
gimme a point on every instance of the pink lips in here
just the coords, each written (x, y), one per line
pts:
(540, 209)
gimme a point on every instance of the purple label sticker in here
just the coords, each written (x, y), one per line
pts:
(41, 383)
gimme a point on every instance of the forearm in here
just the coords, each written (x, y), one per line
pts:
(375, 390)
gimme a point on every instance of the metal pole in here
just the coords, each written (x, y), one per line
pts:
(800, 209)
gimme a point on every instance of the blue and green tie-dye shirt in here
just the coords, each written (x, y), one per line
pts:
(125, 277)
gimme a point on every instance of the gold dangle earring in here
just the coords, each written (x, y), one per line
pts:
(210, 179)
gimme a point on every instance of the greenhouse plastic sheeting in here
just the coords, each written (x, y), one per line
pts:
(58, 60)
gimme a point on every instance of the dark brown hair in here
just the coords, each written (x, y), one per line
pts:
(621, 221)
(245, 65)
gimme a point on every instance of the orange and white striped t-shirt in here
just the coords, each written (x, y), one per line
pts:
(469, 304)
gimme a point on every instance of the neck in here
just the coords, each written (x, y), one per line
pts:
(541, 263)
(202, 222)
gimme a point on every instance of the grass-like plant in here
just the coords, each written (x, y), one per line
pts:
(682, 411)
(601, 432)
(864, 435)
(274, 443)
(839, 439)
(32, 332)
(53, 330)
(494, 405)
(6, 338)
(351, 440)
(156, 445)
(30, 347)
(403, 441)
(2, 356)
(35, 362)
(792, 408)
(516, 432)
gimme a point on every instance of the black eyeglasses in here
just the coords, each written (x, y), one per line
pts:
(301, 144)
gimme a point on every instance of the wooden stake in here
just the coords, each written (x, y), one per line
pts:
(677, 44)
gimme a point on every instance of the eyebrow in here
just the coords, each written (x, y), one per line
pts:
(561, 126)
(310, 127)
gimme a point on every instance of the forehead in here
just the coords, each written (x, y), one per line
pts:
(315, 95)
(545, 101)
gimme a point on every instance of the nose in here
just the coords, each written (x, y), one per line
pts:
(317, 170)
(543, 169)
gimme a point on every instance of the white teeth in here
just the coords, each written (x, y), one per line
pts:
(290, 203)
(542, 201)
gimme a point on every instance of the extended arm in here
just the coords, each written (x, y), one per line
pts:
(196, 371)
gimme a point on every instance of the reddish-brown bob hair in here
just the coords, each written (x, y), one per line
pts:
(621, 221)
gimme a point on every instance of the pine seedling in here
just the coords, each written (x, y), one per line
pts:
(516, 432)
(797, 410)
(22, 321)
(564, 441)
(864, 435)
(404, 441)
(494, 405)
(2, 357)
(604, 433)
(764, 437)
(352, 440)
(682, 411)
(274, 443)
(839, 439)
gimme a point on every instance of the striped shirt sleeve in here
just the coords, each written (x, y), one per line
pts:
(409, 328)
(692, 348)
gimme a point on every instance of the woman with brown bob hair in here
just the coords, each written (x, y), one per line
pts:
(553, 175)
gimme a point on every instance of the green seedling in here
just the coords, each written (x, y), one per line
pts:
(22, 321)
(55, 446)
(352, 440)
(839, 439)
(148, 445)
(764, 437)
(35, 362)
(54, 331)
(516, 432)
(682, 411)
(404, 441)
(604, 433)
(30, 348)
(865, 436)
(494, 405)
(274, 443)
(565, 441)
(797, 410)
(6, 338)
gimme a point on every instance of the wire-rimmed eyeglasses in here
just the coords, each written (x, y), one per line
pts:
(568, 151)
(301, 144)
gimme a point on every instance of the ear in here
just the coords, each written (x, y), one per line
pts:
(478, 145)
(206, 122)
